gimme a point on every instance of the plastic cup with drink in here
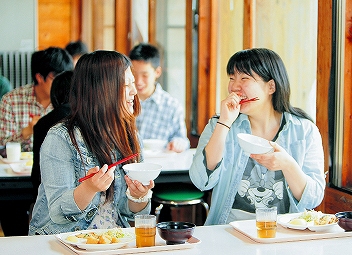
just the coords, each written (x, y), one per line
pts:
(266, 222)
(13, 151)
(145, 230)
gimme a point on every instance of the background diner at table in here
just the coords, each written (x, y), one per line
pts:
(20, 109)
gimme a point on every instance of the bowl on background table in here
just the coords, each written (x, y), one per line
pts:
(154, 145)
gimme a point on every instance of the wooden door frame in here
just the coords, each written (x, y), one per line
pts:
(123, 26)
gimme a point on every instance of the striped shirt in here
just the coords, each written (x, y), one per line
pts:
(15, 110)
(161, 117)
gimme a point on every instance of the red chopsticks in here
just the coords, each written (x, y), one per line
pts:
(110, 166)
(249, 100)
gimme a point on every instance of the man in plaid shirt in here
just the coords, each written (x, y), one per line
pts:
(21, 108)
(162, 115)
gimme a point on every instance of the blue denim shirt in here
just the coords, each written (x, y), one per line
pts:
(299, 137)
(55, 210)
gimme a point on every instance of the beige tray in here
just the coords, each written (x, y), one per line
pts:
(160, 245)
(248, 228)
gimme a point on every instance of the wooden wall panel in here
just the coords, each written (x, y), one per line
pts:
(54, 23)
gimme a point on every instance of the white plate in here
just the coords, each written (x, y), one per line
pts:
(322, 228)
(284, 220)
(25, 156)
(6, 161)
(95, 247)
(20, 168)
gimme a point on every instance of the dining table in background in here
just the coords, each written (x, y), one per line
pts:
(175, 166)
(14, 186)
(216, 239)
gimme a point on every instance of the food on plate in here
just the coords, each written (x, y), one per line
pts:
(108, 237)
(313, 217)
(29, 163)
(299, 222)
(326, 219)
(73, 239)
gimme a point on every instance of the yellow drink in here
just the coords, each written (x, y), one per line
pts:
(145, 236)
(266, 229)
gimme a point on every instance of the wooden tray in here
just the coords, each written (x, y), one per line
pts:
(248, 228)
(160, 245)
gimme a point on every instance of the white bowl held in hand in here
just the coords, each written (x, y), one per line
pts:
(252, 144)
(142, 172)
(154, 145)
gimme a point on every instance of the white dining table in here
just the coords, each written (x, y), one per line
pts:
(175, 166)
(171, 163)
(216, 239)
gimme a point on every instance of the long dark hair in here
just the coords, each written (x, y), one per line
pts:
(268, 65)
(98, 107)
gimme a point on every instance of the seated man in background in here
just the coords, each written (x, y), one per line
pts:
(21, 108)
(76, 50)
(162, 115)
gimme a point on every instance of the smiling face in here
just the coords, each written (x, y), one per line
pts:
(130, 89)
(247, 87)
(145, 76)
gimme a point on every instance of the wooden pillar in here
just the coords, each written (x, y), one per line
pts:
(249, 24)
(151, 22)
(98, 24)
(323, 80)
(76, 20)
(123, 21)
(207, 59)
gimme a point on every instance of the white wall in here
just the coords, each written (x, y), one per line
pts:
(18, 25)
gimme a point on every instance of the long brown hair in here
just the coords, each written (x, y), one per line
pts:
(98, 106)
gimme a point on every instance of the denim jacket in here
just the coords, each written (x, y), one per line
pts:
(299, 137)
(55, 210)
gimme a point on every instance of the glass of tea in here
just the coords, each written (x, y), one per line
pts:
(145, 230)
(266, 222)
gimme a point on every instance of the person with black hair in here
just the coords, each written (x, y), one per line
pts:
(76, 49)
(162, 115)
(21, 108)
(59, 94)
(291, 177)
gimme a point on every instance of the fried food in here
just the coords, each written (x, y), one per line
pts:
(107, 237)
(326, 219)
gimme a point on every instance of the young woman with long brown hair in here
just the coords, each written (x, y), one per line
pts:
(99, 131)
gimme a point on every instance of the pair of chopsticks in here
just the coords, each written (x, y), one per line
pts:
(110, 166)
(249, 100)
